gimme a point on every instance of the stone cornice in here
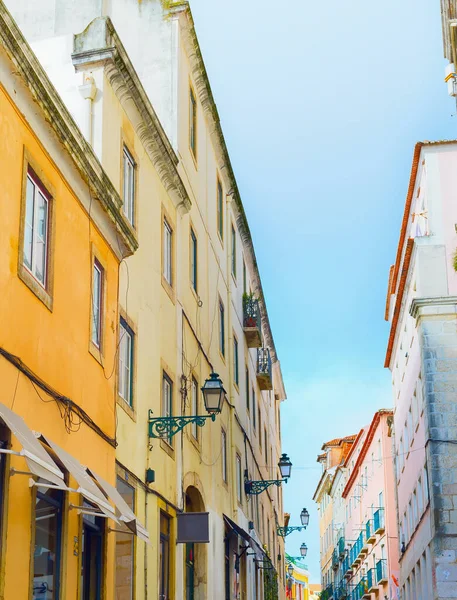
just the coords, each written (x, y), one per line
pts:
(100, 44)
(60, 120)
(429, 307)
(205, 95)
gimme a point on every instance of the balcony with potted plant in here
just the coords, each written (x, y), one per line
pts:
(251, 321)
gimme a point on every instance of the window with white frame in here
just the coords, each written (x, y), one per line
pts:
(167, 252)
(126, 349)
(97, 303)
(128, 185)
(36, 229)
(425, 481)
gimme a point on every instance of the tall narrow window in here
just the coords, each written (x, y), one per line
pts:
(124, 547)
(97, 303)
(126, 349)
(167, 252)
(194, 406)
(221, 328)
(167, 398)
(236, 369)
(193, 122)
(220, 209)
(253, 409)
(224, 455)
(128, 185)
(233, 252)
(265, 446)
(238, 477)
(193, 259)
(260, 425)
(48, 543)
(36, 227)
(92, 544)
(247, 390)
(164, 557)
(245, 279)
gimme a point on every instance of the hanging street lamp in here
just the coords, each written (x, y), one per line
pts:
(290, 569)
(304, 518)
(254, 488)
(213, 396)
(303, 550)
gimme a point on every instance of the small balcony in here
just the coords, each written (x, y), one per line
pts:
(327, 594)
(342, 593)
(363, 544)
(371, 581)
(251, 321)
(335, 560)
(378, 521)
(369, 532)
(341, 547)
(381, 572)
(264, 377)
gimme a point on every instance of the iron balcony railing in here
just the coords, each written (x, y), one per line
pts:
(327, 593)
(251, 312)
(371, 578)
(264, 369)
(378, 519)
(369, 529)
(335, 560)
(341, 546)
(381, 570)
(359, 590)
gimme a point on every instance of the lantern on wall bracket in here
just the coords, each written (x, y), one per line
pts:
(304, 518)
(213, 396)
(254, 488)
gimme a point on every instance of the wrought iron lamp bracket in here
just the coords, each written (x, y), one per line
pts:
(254, 488)
(166, 427)
(284, 531)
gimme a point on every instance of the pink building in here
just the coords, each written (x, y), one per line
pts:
(366, 563)
(422, 356)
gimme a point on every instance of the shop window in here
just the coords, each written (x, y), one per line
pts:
(125, 547)
(92, 545)
(164, 557)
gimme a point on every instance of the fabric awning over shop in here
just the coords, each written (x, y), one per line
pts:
(127, 516)
(259, 551)
(86, 485)
(38, 460)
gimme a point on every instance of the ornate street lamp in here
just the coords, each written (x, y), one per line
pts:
(303, 550)
(290, 569)
(304, 518)
(213, 397)
(257, 487)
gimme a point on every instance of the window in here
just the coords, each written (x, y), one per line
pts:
(167, 252)
(238, 477)
(224, 455)
(220, 209)
(36, 229)
(125, 547)
(247, 390)
(129, 185)
(260, 425)
(253, 409)
(425, 479)
(415, 515)
(221, 328)
(193, 122)
(164, 557)
(97, 303)
(194, 406)
(420, 497)
(236, 370)
(48, 543)
(126, 343)
(265, 445)
(92, 544)
(233, 252)
(193, 260)
(245, 279)
(167, 398)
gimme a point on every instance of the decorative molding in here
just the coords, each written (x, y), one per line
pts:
(99, 44)
(61, 122)
(428, 307)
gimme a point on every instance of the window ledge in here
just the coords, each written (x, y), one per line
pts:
(169, 289)
(167, 448)
(96, 353)
(129, 410)
(36, 288)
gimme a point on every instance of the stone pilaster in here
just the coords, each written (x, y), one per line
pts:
(437, 329)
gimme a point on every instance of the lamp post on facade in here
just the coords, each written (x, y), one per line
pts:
(304, 518)
(257, 487)
(213, 396)
(303, 550)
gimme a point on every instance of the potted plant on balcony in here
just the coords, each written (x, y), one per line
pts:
(250, 310)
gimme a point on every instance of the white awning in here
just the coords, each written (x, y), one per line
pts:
(38, 460)
(86, 485)
(127, 516)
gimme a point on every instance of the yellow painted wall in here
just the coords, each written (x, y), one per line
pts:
(55, 345)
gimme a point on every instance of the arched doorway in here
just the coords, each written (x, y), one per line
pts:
(195, 555)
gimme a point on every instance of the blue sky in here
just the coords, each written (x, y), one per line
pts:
(321, 105)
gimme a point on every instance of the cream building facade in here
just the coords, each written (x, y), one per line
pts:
(148, 112)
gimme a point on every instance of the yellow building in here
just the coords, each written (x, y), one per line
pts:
(190, 302)
(297, 585)
(62, 240)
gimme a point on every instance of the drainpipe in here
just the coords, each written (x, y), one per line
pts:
(88, 91)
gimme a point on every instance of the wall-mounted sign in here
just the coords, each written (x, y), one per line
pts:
(193, 528)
